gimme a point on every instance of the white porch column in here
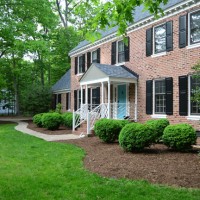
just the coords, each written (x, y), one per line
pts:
(81, 95)
(109, 99)
(136, 97)
(102, 91)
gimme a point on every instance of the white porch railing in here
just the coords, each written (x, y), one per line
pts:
(117, 111)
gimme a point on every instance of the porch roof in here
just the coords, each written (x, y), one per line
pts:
(101, 72)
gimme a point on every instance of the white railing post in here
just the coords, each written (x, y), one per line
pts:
(88, 123)
(108, 99)
(73, 120)
(136, 97)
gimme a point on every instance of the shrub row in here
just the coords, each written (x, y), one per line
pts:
(53, 120)
(136, 136)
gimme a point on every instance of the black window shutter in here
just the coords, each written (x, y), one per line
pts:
(183, 31)
(113, 53)
(183, 95)
(75, 100)
(169, 95)
(67, 98)
(54, 101)
(149, 42)
(83, 96)
(127, 50)
(83, 65)
(88, 59)
(89, 90)
(98, 55)
(59, 98)
(169, 36)
(76, 65)
(149, 96)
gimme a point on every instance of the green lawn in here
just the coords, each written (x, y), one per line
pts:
(31, 168)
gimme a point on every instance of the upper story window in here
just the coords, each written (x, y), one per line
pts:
(159, 39)
(120, 52)
(195, 27)
(93, 57)
(189, 30)
(80, 64)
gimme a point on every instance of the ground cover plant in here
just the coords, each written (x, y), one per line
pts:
(34, 169)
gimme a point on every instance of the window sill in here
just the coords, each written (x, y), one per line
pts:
(159, 54)
(192, 46)
(158, 116)
(79, 74)
(193, 117)
(118, 64)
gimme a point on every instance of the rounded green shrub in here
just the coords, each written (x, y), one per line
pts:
(179, 136)
(158, 126)
(52, 121)
(37, 119)
(68, 119)
(135, 136)
(108, 129)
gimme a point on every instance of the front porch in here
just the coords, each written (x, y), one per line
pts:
(116, 98)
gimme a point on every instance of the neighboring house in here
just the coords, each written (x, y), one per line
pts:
(149, 77)
(7, 103)
(62, 92)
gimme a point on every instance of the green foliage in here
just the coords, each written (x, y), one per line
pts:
(158, 126)
(37, 119)
(108, 129)
(52, 121)
(179, 136)
(135, 136)
(68, 119)
(59, 108)
(36, 99)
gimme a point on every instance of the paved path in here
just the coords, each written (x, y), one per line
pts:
(22, 127)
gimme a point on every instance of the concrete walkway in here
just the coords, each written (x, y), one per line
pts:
(22, 127)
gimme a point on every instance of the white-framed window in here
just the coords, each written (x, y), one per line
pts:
(194, 87)
(159, 39)
(120, 51)
(94, 58)
(159, 96)
(194, 28)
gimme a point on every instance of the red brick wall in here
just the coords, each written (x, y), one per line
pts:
(174, 64)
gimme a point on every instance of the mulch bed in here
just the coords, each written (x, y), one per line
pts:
(62, 130)
(157, 164)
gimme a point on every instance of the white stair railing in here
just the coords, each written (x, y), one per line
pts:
(79, 116)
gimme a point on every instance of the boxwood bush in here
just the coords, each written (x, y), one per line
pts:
(108, 129)
(52, 121)
(158, 126)
(135, 136)
(37, 119)
(179, 136)
(68, 119)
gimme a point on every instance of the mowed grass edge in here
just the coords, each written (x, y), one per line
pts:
(33, 169)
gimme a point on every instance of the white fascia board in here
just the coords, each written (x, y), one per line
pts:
(141, 24)
(61, 91)
(123, 80)
(94, 81)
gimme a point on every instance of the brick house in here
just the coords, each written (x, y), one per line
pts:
(147, 77)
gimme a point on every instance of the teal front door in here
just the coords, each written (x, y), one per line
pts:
(121, 107)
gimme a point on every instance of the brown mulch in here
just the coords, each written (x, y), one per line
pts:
(157, 164)
(62, 130)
